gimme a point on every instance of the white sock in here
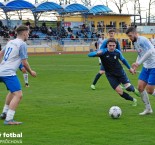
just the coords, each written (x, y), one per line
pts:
(25, 78)
(5, 108)
(153, 94)
(145, 99)
(10, 115)
(99, 60)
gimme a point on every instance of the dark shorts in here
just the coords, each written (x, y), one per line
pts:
(115, 80)
(102, 67)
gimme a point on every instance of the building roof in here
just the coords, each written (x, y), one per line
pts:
(18, 5)
(48, 6)
(73, 8)
(1, 5)
(51, 6)
(99, 9)
(114, 14)
(15, 5)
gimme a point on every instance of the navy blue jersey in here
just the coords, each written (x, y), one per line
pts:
(113, 68)
(110, 61)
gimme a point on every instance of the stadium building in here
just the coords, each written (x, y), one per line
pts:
(76, 27)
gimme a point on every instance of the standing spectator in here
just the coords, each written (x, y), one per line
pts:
(72, 37)
(103, 27)
(69, 29)
(43, 24)
(93, 27)
(84, 26)
(99, 27)
(28, 23)
(124, 28)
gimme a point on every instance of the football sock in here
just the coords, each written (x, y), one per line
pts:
(153, 93)
(130, 88)
(96, 78)
(5, 108)
(10, 115)
(99, 59)
(25, 77)
(126, 96)
(145, 99)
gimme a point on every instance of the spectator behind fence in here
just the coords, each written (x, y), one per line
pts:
(92, 27)
(28, 23)
(69, 29)
(124, 44)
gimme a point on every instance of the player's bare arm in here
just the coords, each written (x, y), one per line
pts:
(28, 68)
(135, 65)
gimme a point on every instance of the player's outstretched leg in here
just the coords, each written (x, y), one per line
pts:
(128, 97)
(145, 99)
(9, 118)
(12, 107)
(6, 106)
(125, 95)
(95, 80)
(97, 77)
(131, 88)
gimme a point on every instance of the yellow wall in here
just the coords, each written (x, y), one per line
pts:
(124, 36)
(109, 18)
(106, 19)
(98, 18)
(69, 18)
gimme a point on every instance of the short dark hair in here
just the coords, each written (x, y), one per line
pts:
(111, 30)
(131, 29)
(112, 40)
(21, 28)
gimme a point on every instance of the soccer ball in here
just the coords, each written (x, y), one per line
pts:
(115, 112)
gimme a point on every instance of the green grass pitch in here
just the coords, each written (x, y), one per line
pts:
(59, 108)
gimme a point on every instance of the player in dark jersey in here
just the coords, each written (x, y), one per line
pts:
(103, 46)
(114, 71)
